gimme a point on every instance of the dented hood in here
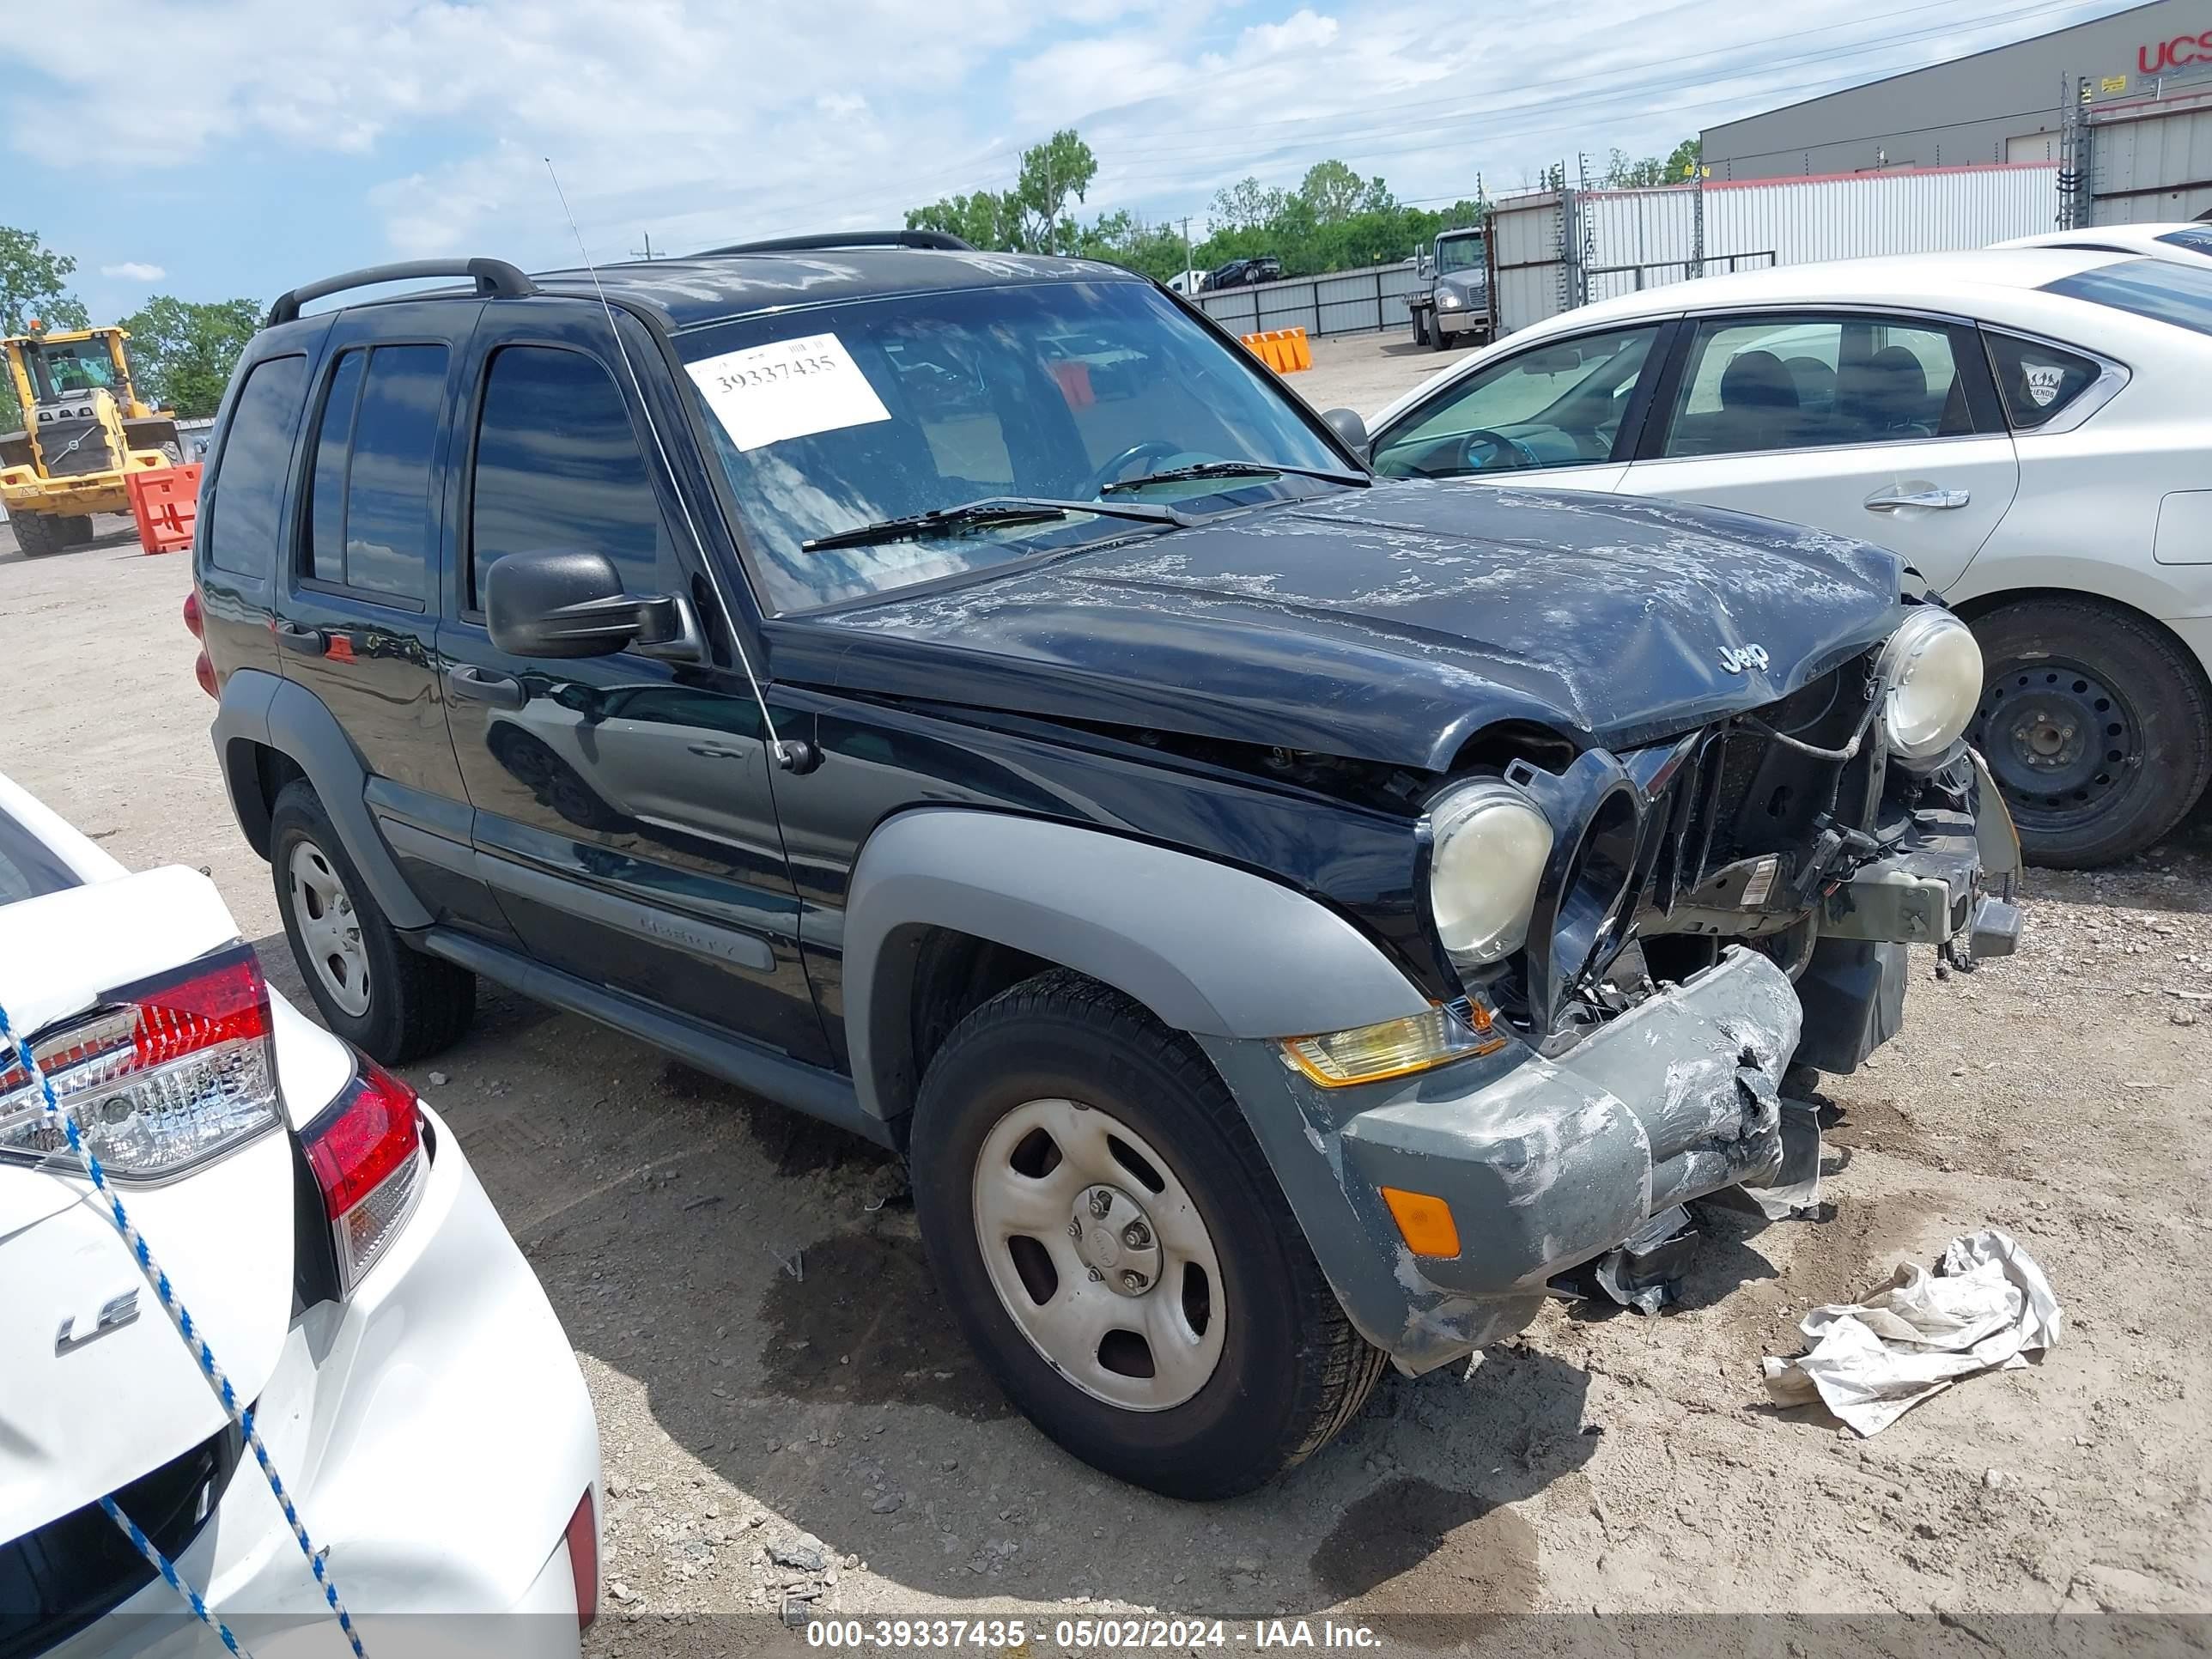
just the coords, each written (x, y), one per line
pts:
(1389, 625)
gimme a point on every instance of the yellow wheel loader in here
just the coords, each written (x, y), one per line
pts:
(85, 430)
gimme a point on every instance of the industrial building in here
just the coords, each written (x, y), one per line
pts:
(2123, 103)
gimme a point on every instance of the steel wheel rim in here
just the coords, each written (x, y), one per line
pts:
(330, 931)
(1146, 1349)
(2063, 743)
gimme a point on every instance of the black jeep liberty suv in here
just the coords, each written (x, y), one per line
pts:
(1284, 918)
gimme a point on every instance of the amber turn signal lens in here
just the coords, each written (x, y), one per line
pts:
(1425, 1222)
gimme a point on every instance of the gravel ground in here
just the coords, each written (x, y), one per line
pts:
(788, 1418)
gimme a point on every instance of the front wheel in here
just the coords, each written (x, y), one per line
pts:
(37, 534)
(1117, 1249)
(2095, 725)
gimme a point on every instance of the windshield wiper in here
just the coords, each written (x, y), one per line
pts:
(991, 513)
(1237, 469)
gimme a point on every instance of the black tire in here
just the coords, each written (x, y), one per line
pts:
(1438, 340)
(1420, 328)
(2063, 665)
(78, 531)
(37, 534)
(417, 1004)
(1292, 1370)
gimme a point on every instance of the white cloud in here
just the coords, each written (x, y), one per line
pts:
(135, 270)
(706, 120)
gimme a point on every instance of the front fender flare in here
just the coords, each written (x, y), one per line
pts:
(1209, 949)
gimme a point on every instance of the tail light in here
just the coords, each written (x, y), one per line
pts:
(203, 671)
(167, 1074)
(583, 1542)
(193, 625)
(366, 1151)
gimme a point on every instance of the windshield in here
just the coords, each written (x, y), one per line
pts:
(829, 418)
(1460, 254)
(2196, 239)
(69, 367)
(2157, 288)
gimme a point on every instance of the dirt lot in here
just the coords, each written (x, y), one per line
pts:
(1603, 1461)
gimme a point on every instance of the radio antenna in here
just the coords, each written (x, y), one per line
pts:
(790, 757)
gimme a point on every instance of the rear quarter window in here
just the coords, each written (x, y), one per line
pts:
(2039, 381)
(246, 498)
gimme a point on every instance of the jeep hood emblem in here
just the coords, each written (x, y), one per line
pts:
(1738, 661)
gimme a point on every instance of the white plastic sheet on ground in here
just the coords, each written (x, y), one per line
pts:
(1984, 1307)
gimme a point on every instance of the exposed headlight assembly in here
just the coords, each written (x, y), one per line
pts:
(1489, 843)
(1931, 680)
(1448, 300)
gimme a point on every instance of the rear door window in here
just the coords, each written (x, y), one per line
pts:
(248, 495)
(372, 519)
(2039, 381)
(1814, 383)
(558, 465)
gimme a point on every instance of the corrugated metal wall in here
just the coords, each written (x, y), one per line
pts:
(1642, 238)
(1343, 302)
(2154, 165)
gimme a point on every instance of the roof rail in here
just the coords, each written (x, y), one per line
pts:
(943, 240)
(492, 277)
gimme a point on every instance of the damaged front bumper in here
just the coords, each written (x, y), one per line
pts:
(1951, 879)
(1543, 1162)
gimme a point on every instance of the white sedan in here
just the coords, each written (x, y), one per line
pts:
(2029, 427)
(2188, 242)
(319, 1224)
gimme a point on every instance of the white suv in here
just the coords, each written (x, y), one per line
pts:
(319, 1224)
(2028, 427)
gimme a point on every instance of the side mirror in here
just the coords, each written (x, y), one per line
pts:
(1347, 426)
(561, 602)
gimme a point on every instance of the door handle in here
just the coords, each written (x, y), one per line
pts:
(716, 751)
(469, 683)
(1890, 502)
(304, 641)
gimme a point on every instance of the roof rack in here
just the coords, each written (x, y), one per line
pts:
(943, 240)
(493, 277)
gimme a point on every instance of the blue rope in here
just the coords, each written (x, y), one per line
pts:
(160, 1564)
(241, 1415)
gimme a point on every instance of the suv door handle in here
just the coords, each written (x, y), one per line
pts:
(306, 642)
(718, 751)
(1883, 501)
(469, 683)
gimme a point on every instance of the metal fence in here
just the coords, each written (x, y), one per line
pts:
(1557, 249)
(1343, 302)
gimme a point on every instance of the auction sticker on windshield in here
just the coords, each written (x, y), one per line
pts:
(788, 389)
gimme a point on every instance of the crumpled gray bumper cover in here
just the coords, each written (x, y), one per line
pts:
(1545, 1163)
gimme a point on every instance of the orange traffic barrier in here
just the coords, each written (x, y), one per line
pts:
(1283, 349)
(165, 500)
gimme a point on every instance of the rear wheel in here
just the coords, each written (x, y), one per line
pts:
(2095, 726)
(39, 533)
(1438, 340)
(1117, 1249)
(373, 990)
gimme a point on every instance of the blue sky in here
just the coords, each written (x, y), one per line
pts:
(251, 149)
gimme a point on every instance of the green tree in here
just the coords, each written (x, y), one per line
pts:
(1032, 217)
(182, 351)
(1332, 191)
(1683, 163)
(1246, 205)
(33, 283)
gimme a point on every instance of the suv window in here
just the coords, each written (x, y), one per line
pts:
(370, 518)
(1813, 382)
(1557, 405)
(2037, 381)
(249, 483)
(558, 465)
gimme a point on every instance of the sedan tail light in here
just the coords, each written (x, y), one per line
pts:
(165, 1075)
(583, 1542)
(366, 1151)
